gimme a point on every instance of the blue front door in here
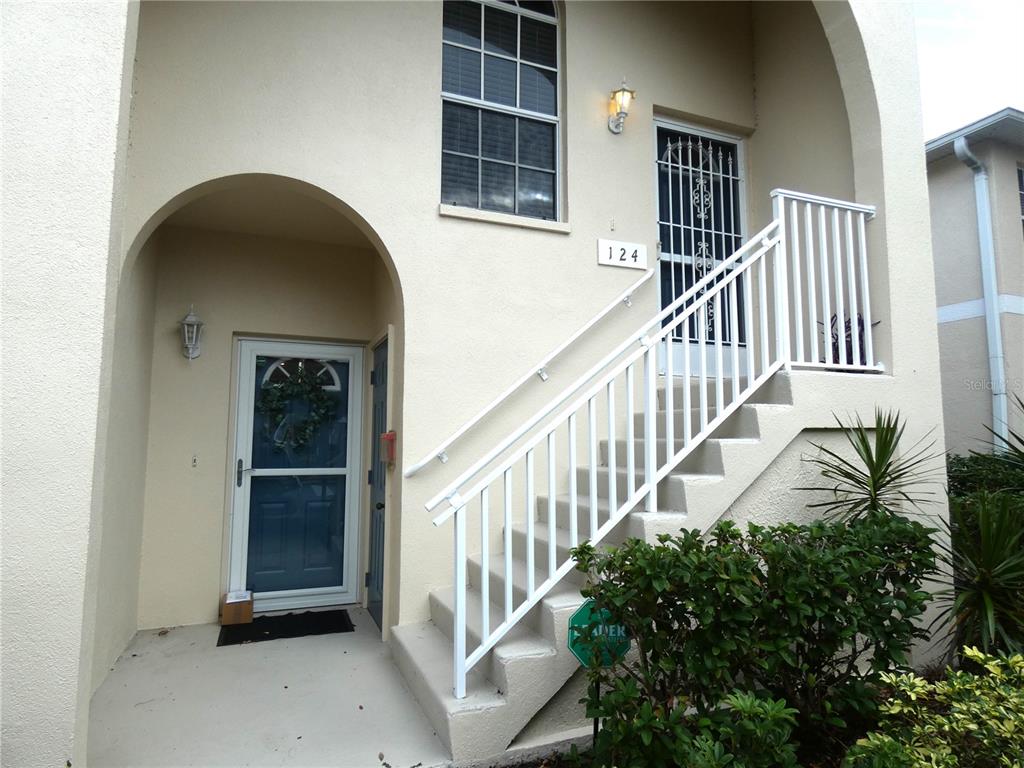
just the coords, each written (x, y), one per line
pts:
(294, 473)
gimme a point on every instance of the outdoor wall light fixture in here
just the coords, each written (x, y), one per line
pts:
(191, 331)
(620, 101)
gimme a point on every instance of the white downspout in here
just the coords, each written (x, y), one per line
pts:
(990, 290)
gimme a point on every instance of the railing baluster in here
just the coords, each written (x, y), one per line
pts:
(851, 286)
(734, 336)
(869, 347)
(798, 331)
(670, 398)
(762, 279)
(508, 543)
(592, 418)
(531, 513)
(687, 386)
(631, 431)
(485, 564)
(837, 266)
(702, 340)
(748, 323)
(812, 292)
(573, 497)
(826, 289)
(459, 618)
(613, 480)
(552, 540)
(651, 426)
(719, 362)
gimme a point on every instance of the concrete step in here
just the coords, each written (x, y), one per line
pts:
(671, 489)
(680, 385)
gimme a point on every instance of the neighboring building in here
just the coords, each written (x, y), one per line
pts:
(385, 214)
(977, 207)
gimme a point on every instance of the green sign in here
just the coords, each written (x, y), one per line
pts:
(611, 639)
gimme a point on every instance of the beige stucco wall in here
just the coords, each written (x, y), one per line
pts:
(205, 106)
(387, 169)
(967, 394)
(240, 285)
(64, 126)
(117, 587)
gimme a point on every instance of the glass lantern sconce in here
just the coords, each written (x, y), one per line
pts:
(191, 331)
(621, 98)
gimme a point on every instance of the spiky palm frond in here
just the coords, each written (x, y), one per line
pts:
(883, 477)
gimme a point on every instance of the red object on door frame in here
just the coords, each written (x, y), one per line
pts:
(388, 441)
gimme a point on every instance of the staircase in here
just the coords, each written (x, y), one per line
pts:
(622, 453)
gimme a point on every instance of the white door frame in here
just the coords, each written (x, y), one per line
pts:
(348, 592)
(741, 162)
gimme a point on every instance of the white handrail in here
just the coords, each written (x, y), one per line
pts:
(828, 201)
(440, 452)
(764, 239)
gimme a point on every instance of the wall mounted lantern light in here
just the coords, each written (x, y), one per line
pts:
(620, 101)
(191, 331)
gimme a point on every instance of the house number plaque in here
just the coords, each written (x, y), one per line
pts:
(615, 253)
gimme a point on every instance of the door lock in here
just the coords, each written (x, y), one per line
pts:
(240, 470)
(379, 505)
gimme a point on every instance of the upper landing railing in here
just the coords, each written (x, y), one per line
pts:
(795, 295)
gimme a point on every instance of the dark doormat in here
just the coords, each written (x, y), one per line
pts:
(288, 625)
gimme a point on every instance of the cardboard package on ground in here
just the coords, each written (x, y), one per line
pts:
(236, 608)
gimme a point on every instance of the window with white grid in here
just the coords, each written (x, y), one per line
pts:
(500, 121)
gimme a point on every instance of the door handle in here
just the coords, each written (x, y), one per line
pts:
(379, 505)
(240, 470)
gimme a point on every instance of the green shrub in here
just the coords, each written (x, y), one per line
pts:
(982, 472)
(985, 554)
(965, 721)
(805, 615)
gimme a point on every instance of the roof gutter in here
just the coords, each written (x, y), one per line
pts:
(990, 292)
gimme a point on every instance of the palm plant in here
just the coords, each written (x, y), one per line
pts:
(882, 477)
(985, 555)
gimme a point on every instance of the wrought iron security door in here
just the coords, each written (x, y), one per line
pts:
(700, 224)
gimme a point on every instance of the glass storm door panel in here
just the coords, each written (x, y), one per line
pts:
(294, 533)
(378, 476)
(699, 225)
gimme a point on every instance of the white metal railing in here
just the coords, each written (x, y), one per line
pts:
(540, 370)
(745, 327)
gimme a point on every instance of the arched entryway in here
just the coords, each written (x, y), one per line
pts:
(245, 467)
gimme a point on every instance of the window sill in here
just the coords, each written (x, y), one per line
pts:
(508, 219)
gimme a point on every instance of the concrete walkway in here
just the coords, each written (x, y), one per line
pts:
(176, 699)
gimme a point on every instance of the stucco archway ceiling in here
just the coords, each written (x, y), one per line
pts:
(269, 212)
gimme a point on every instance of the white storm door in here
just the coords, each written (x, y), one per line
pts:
(295, 521)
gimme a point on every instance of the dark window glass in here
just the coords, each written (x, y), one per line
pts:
(538, 42)
(459, 129)
(462, 23)
(500, 32)
(459, 180)
(498, 141)
(539, 6)
(497, 187)
(500, 80)
(536, 194)
(536, 144)
(537, 90)
(460, 71)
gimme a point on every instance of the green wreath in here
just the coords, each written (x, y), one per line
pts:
(275, 399)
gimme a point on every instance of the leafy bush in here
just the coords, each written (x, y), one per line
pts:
(982, 472)
(884, 475)
(985, 554)
(964, 721)
(805, 615)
